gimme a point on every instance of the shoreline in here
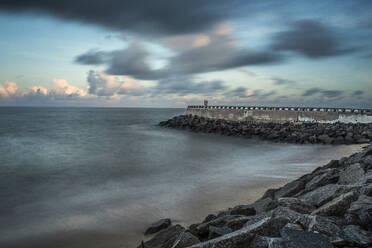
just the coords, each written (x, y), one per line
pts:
(260, 224)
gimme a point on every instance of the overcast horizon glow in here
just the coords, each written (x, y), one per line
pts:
(174, 53)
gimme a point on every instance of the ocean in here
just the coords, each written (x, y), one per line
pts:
(97, 177)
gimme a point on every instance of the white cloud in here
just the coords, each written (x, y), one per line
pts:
(8, 90)
(101, 84)
(37, 90)
(63, 88)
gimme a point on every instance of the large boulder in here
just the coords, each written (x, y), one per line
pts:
(351, 174)
(157, 226)
(269, 226)
(202, 230)
(296, 204)
(322, 194)
(267, 242)
(215, 232)
(361, 210)
(165, 238)
(329, 176)
(320, 224)
(238, 239)
(264, 205)
(338, 206)
(185, 239)
(356, 236)
(246, 210)
(290, 189)
(295, 238)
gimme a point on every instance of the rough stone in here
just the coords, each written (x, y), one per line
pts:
(319, 224)
(322, 194)
(351, 174)
(165, 238)
(354, 235)
(361, 210)
(215, 232)
(328, 177)
(269, 226)
(338, 206)
(264, 205)
(157, 226)
(246, 210)
(238, 239)
(296, 205)
(267, 242)
(290, 189)
(301, 239)
(185, 239)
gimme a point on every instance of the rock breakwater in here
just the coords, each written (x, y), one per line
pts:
(290, 132)
(330, 207)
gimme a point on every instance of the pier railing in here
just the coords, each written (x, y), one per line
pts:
(305, 109)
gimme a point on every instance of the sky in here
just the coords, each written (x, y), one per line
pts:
(172, 53)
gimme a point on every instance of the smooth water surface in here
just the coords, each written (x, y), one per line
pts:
(96, 177)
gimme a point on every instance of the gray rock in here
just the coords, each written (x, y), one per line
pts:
(157, 226)
(322, 194)
(296, 205)
(202, 230)
(354, 235)
(237, 223)
(264, 205)
(210, 217)
(246, 210)
(361, 209)
(325, 139)
(267, 242)
(290, 189)
(185, 239)
(301, 239)
(269, 226)
(351, 174)
(215, 232)
(165, 238)
(286, 213)
(328, 177)
(238, 239)
(319, 224)
(338, 206)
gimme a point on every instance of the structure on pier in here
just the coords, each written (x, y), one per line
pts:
(282, 114)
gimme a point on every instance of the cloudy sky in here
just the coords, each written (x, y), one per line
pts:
(171, 53)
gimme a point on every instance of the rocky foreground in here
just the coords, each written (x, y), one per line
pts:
(301, 133)
(330, 207)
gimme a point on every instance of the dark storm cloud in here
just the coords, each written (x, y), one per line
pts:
(322, 92)
(92, 58)
(311, 92)
(165, 16)
(183, 86)
(332, 93)
(310, 38)
(219, 54)
(283, 81)
(243, 92)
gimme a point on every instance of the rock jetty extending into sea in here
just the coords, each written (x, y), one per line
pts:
(330, 207)
(289, 132)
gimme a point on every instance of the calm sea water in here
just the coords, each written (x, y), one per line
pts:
(96, 177)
